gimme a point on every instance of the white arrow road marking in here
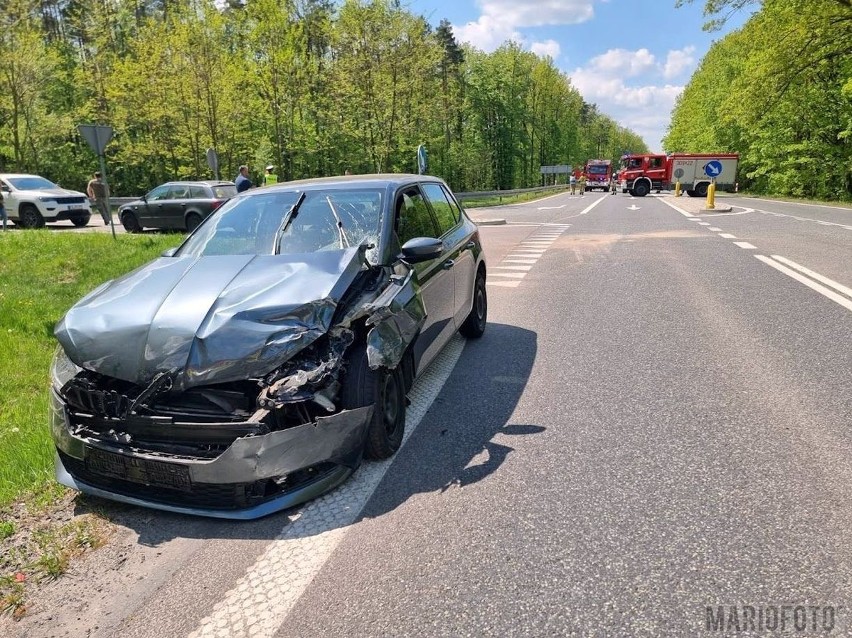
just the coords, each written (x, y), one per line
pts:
(262, 598)
(843, 301)
(634, 207)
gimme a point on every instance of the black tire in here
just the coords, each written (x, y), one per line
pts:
(701, 189)
(81, 221)
(192, 222)
(641, 189)
(474, 324)
(130, 223)
(384, 389)
(29, 217)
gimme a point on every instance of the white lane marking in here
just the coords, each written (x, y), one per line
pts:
(503, 284)
(775, 201)
(843, 301)
(814, 275)
(258, 604)
(677, 208)
(586, 210)
(634, 207)
(519, 261)
(552, 207)
(524, 268)
(529, 251)
(745, 211)
(806, 219)
(535, 201)
(695, 219)
(512, 275)
(727, 236)
(745, 244)
(703, 223)
(715, 230)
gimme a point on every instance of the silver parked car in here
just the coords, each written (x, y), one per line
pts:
(251, 368)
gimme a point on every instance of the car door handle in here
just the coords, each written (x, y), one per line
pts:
(448, 264)
(470, 245)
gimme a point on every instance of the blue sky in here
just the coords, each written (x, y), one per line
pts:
(630, 57)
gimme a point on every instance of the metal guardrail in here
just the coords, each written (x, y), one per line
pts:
(117, 202)
(507, 193)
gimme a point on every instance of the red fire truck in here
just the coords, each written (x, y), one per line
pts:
(640, 174)
(598, 173)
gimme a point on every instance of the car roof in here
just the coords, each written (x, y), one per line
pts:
(6, 175)
(377, 180)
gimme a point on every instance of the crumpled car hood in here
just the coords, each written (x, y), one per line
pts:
(209, 319)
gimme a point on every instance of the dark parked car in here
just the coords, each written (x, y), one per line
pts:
(176, 205)
(252, 367)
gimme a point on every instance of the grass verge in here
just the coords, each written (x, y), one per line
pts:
(502, 200)
(42, 273)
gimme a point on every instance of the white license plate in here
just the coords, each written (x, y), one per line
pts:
(75, 207)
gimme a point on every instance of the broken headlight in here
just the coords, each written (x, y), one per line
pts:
(62, 369)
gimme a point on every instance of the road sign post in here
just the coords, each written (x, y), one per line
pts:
(422, 160)
(712, 169)
(97, 138)
(213, 162)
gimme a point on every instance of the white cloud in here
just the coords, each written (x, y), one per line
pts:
(547, 48)
(631, 87)
(678, 61)
(501, 19)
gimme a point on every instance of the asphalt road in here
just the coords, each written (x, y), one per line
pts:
(656, 421)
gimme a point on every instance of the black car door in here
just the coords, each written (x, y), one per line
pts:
(437, 286)
(457, 240)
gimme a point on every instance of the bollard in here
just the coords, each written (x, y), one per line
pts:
(711, 195)
(677, 188)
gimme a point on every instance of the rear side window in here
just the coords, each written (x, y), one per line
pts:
(445, 212)
(179, 191)
(224, 191)
(413, 217)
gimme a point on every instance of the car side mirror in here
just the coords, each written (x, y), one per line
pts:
(421, 249)
(169, 252)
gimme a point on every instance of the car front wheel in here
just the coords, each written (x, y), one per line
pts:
(474, 324)
(130, 223)
(384, 389)
(80, 221)
(29, 217)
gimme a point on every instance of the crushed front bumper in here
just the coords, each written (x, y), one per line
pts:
(255, 476)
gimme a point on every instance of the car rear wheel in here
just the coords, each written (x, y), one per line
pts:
(192, 222)
(384, 389)
(701, 189)
(81, 221)
(691, 193)
(29, 217)
(130, 223)
(474, 325)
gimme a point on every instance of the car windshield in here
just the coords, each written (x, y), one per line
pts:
(31, 183)
(597, 169)
(255, 224)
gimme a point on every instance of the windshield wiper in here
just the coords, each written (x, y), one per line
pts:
(344, 241)
(290, 216)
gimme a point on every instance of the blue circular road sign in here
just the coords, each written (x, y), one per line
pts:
(713, 168)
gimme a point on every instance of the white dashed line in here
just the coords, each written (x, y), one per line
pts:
(677, 208)
(259, 603)
(745, 244)
(703, 223)
(519, 261)
(513, 275)
(503, 284)
(830, 294)
(523, 268)
(727, 236)
(715, 230)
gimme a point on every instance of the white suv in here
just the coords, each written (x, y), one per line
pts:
(31, 200)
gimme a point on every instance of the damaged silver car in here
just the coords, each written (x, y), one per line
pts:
(254, 366)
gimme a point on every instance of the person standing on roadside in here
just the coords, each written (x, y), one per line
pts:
(270, 178)
(97, 192)
(243, 182)
(613, 184)
(3, 214)
(581, 183)
(573, 183)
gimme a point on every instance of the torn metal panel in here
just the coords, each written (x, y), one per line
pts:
(396, 317)
(214, 318)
